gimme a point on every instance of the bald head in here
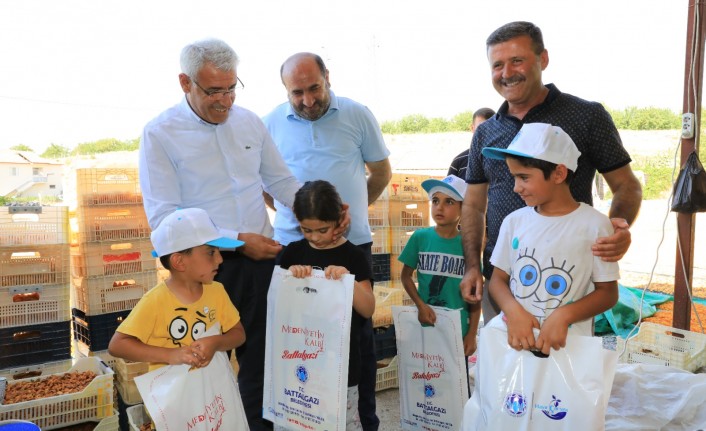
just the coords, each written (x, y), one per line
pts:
(305, 77)
(300, 58)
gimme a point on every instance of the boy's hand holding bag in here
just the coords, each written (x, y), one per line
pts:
(568, 390)
(203, 399)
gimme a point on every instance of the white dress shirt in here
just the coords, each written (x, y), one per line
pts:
(186, 162)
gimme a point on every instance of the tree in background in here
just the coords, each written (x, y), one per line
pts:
(22, 147)
(55, 151)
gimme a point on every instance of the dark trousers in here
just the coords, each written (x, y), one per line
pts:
(247, 282)
(368, 365)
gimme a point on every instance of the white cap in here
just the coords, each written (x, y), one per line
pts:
(452, 186)
(540, 141)
(187, 228)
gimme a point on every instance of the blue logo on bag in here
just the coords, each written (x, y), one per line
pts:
(302, 373)
(515, 404)
(553, 411)
(429, 391)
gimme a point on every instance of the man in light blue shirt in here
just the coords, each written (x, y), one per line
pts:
(322, 136)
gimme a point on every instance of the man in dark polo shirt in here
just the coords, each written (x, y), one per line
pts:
(517, 58)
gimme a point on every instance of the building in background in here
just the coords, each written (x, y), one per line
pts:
(25, 174)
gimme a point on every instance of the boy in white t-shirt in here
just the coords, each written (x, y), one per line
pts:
(545, 275)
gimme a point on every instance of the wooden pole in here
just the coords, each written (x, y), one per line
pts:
(686, 223)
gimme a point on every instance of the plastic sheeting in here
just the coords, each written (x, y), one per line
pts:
(654, 397)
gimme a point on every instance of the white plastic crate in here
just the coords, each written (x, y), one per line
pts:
(379, 214)
(36, 370)
(21, 225)
(112, 223)
(34, 304)
(111, 423)
(385, 297)
(664, 345)
(111, 293)
(413, 214)
(381, 239)
(137, 416)
(97, 259)
(24, 265)
(386, 376)
(128, 391)
(94, 403)
(108, 186)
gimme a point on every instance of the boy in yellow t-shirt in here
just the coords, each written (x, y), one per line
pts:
(168, 323)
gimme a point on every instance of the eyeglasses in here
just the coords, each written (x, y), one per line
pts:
(214, 94)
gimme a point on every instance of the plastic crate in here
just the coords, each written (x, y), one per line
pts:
(385, 342)
(386, 376)
(396, 269)
(94, 403)
(112, 293)
(664, 345)
(96, 259)
(128, 370)
(399, 236)
(29, 305)
(125, 373)
(108, 186)
(34, 344)
(409, 214)
(111, 423)
(37, 370)
(381, 267)
(96, 331)
(29, 225)
(379, 213)
(112, 223)
(137, 416)
(128, 391)
(381, 240)
(34, 264)
(406, 187)
(385, 298)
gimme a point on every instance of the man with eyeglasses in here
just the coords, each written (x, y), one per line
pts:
(209, 153)
(323, 136)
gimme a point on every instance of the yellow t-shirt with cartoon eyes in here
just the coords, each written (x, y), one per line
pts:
(160, 319)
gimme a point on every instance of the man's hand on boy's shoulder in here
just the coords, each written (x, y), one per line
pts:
(612, 248)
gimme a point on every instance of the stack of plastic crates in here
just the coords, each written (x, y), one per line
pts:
(35, 322)
(112, 265)
(409, 211)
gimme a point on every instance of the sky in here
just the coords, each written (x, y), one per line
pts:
(75, 71)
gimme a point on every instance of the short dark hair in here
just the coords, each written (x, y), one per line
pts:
(546, 167)
(318, 200)
(164, 260)
(516, 29)
(484, 113)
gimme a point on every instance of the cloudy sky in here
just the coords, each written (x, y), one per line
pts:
(76, 71)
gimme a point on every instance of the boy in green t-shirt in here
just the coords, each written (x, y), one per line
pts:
(436, 253)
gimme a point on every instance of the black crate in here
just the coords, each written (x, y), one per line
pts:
(381, 267)
(385, 342)
(35, 344)
(97, 330)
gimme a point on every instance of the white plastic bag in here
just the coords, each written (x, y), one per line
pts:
(204, 399)
(306, 351)
(569, 390)
(431, 370)
(655, 397)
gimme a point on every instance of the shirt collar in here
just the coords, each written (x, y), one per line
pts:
(189, 112)
(333, 106)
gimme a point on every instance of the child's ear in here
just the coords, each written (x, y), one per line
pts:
(176, 262)
(559, 174)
